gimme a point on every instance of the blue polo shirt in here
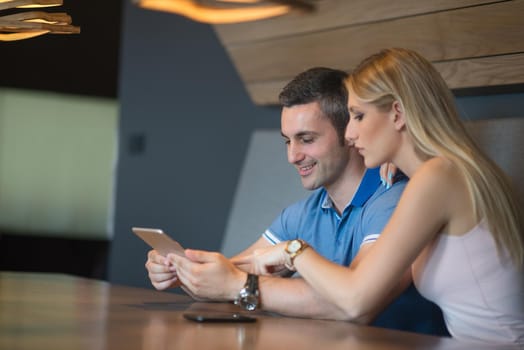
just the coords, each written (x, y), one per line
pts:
(339, 237)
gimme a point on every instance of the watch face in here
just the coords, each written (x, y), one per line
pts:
(249, 295)
(294, 245)
(249, 302)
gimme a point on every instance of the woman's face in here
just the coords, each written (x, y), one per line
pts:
(372, 131)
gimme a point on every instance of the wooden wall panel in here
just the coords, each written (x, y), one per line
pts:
(483, 71)
(459, 74)
(472, 46)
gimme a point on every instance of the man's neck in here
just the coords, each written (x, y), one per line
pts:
(343, 191)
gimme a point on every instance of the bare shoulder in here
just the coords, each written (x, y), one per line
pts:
(443, 189)
(437, 181)
(440, 172)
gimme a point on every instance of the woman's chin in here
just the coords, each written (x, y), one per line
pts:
(370, 163)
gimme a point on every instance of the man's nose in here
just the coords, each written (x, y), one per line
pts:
(294, 153)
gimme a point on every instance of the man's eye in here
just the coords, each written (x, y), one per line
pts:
(307, 140)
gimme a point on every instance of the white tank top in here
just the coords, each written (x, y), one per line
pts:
(480, 293)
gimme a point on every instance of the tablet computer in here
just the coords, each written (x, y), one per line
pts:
(163, 244)
(159, 241)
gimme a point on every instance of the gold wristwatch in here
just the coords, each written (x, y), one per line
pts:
(293, 249)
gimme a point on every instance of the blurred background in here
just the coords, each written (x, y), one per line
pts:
(151, 119)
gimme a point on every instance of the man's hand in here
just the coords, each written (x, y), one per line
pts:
(266, 261)
(209, 275)
(162, 273)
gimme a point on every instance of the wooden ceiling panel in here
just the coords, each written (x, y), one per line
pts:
(332, 14)
(459, 37)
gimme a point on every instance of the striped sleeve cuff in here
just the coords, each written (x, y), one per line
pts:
(369, 239)
(270, 237)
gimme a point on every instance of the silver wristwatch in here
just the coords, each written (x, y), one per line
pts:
(249, 296)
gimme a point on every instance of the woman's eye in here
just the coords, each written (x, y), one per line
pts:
(358, 116)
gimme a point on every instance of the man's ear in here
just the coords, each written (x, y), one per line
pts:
(397, 112)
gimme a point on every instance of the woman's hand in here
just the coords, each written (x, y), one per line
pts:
(266, 261)
(387, 173)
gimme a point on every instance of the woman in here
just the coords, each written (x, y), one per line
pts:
(457, 226)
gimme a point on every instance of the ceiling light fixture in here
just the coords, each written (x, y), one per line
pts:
(25, 25)
(227, 11)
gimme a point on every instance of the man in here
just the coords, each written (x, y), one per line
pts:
(340, 219)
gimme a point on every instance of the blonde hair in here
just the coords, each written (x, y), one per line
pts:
(434, 126)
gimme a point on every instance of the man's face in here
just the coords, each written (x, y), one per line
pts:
(313, 146)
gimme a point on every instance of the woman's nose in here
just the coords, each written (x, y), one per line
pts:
(350, 134)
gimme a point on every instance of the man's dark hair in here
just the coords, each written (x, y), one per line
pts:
(325, 86)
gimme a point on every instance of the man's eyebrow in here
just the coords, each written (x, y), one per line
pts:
(306, 133)
(300, 134)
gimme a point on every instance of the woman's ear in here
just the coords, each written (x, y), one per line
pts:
(397, 112)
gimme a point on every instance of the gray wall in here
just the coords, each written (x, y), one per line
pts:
(507, 105)
(185, 126)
